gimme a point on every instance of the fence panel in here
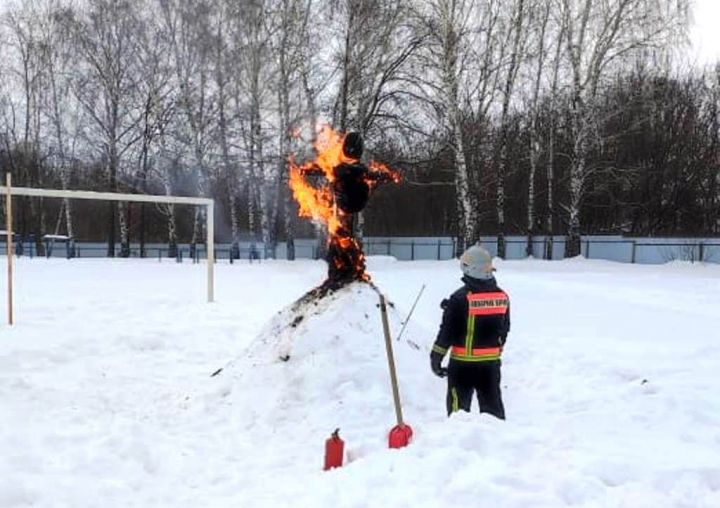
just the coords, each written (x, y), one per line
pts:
(612, 248)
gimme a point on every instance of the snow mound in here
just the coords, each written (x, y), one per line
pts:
(322, 361)
(314, 325)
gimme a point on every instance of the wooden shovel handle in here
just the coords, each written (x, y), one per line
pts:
(391, 360)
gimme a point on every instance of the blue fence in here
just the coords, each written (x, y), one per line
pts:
(613, 248)
(618, 248)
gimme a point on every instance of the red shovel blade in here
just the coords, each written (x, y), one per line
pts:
(400, 436)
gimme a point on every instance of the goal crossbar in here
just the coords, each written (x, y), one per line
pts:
(8, 190)
(106, 196)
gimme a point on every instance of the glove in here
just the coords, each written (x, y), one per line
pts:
(438, 370)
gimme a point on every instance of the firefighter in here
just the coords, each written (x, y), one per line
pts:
(475, 325)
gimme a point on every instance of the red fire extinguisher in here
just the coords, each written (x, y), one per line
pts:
(334, 449)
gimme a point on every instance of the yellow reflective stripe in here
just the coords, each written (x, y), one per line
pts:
(465, 358)
(439, 349)
(470, 333)
(455, 401)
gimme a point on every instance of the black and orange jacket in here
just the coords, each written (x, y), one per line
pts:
(476, 322)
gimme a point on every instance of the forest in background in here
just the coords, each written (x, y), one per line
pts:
(527, 117)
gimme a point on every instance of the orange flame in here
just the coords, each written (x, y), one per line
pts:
(380, 168)
(317, 202)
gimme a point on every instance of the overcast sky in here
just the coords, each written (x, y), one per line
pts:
(705, 32)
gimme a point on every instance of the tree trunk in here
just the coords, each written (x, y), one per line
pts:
(43, 217)
(267, 186)
(577, 182)
(501, 164)
(62, 162)
(345, 84)
(534, 135)
(468, 224)
(359, 227)
(197, 231)
(284, 135)
(549, 220)
(534, 156)
(467, 217)
(234, 226)
(123, 219)
(111, 218)
(550, 169)
(451, 22)
(251, 205)
(172, 232)
(288, 208)
(289, 229)
(197, 235)
(143, 189)
(68, 218)
(320, 232)
(142, 230)
(500, 199)
(267, 206)
(321, 241)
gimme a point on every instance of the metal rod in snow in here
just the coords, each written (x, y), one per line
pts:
(391, 360)
(9, 243)
(412, 309)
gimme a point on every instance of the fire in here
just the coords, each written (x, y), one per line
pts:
(318, 203)
(380, 168)
(345, 189)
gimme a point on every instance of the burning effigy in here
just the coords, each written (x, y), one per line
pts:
(341, 191)
(331, 189)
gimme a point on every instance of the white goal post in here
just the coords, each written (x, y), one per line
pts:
(8, 190)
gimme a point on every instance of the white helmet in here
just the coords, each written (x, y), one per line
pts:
(476, 262)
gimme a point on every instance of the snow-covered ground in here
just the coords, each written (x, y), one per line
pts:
(611, 385)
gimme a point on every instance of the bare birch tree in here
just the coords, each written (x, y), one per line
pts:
(446, 22)
(290, 48)
(540, 30)
(378, 40)
(263, 178)
(460, 78)
(599, 36)
(105, 88)
(25, 39)
(156, 106)
(190, 31)
(549, 245)
(60, 107)
(516, 38)
(226, 70)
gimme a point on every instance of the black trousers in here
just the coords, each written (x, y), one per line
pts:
(483, 378)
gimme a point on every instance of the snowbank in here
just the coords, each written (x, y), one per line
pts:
(106, 395)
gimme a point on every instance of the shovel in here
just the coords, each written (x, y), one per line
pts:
(401, 434)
